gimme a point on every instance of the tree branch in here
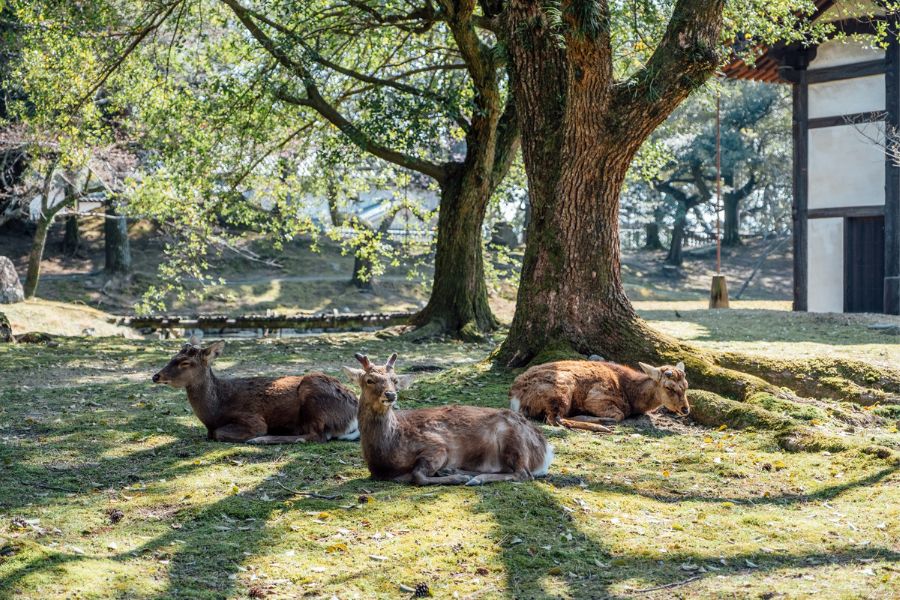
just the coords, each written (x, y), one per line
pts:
(685, 57)
(507, 142)
(315, 101)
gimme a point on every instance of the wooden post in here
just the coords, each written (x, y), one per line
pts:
(718, 292)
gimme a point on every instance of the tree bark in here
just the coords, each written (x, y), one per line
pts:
(675, 257)
(459, 299)
(652, 232)
(118, 248)
(33, 274)
(580, 135)
(731, 235)
(72, 237)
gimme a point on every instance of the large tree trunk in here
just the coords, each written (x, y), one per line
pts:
(118, 248)
(580, 132)
(459, 299)
(36, 255)
(675, 256)
(731, 235)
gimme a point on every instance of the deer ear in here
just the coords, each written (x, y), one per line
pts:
(680, 366)
(353, 374)
(390, 363)
(213, 351)
(653, 372)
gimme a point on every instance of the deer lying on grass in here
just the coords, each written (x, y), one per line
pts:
(584, 394)
(447, 445)
(261, 410)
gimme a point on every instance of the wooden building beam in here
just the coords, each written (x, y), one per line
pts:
(800, 130)
(891, 301)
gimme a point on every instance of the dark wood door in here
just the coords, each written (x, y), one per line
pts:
(864, 264)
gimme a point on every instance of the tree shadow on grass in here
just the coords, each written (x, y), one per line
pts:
(200, 558)
(822, 494)
(546, 556)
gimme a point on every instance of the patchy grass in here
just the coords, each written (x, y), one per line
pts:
(768, 329)
(662, 501)
(60, 318)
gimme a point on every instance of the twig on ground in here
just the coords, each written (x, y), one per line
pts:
(668, 585)
(309, 494)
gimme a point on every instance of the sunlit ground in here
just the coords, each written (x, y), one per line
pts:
(713, 512)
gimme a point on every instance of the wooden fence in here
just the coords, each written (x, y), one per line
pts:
(265, 324)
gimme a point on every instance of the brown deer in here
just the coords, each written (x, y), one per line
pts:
(583, 394)
(261, 410)
(447, 445)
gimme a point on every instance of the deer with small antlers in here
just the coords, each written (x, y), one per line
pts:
(589, 395)
(261, 410)
(449, 445)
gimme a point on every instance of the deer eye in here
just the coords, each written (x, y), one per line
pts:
(184, 365)
(370, 381)
(669, 374)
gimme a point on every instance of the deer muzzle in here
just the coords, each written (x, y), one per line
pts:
(391, 396)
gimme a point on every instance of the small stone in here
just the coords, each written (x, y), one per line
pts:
(596, 358)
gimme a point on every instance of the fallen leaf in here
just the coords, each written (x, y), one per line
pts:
(339, 547)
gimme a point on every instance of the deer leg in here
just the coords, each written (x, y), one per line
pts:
(489, 477)
(278, 439)
(427, 466)
(236, 432)
(587, 423)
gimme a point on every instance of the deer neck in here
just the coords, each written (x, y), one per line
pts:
(644, 397)
(378, 429)
(204, 398)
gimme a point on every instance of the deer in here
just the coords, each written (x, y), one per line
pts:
(447, 445)
(261, 410)
(591, 395)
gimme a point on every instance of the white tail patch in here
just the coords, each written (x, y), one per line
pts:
(351, 433)
(514, 404)
(545, 466)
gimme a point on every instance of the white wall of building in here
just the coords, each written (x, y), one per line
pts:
(825, 265)
(847, 96)
(846, 167)
(844, 52)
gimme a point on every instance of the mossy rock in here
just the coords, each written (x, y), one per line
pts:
(849, 380)
(713, 410)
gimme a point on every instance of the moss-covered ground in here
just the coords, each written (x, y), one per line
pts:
(109, 489)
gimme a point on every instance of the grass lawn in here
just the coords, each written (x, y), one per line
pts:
(109, 489)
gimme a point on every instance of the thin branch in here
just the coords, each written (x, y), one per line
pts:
(668, 586)
(315, 100)
(135, 42)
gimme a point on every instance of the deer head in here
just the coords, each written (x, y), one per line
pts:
(671, 386)
(378, 384)
(190, 366)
